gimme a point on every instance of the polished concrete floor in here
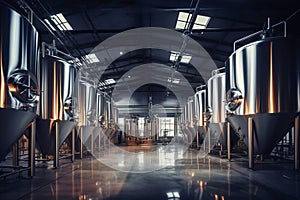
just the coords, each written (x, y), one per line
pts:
(188, 177)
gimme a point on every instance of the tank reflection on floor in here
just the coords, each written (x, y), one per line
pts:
(190, 177)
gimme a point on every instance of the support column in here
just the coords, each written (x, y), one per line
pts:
(228, 142)
(250, 142)
(31, 152)
(296, 138)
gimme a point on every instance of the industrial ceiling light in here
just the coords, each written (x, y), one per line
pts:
(49, 24)
(61, 22)
(184, 59)
(185, 18)
(91, 58)
(201, 22)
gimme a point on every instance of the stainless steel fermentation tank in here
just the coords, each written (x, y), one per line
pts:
(263, 91)
(18, 84)
(55, 122)
(200, 113)
(216, 107)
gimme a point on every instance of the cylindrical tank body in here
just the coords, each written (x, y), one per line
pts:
(200, 106)
(216, 97)
(87, 103)
(18, 60)
(18, 84)
(101, 108)
(216, 105)
(57, 79)
(263, 82)
(266, 75)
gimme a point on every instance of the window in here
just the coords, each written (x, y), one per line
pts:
(166, 126)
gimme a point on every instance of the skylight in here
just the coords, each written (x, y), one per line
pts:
(107, 82)
(91, 58)
(184, 59)
(184, 19)
(61, 22)
(49, 24)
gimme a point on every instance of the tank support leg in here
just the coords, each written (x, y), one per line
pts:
(250, 142)
(31, 156)
(73, 145)
(228, 142)
(296, 137)
(81, 145)
(56, 156)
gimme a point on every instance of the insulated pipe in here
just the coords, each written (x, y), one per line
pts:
(250, 142)
(296, 137)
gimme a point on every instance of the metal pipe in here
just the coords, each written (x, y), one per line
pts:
(216, 71)
(296, 137)
(259, 32)
(200, 87)
(245, 38)
(73, 145)
(56, 156)
(284, 26)
(31, 157)
(228, 142)
(250, 142)
(54, 48)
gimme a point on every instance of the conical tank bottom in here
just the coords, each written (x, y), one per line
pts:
(268, 129)
(13, 123)
(96, 132)
(86, 131)
(43, 136)
(46, 134)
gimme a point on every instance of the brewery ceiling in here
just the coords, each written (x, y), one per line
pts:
(92, 22)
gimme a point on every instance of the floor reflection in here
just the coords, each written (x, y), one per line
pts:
(189, 177)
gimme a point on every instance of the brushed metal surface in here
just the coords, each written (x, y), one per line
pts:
(267, 74)
(56, 79)
(18, 61)
(216, 97)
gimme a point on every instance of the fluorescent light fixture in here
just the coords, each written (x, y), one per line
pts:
(49, 24)
(185, 58)
(110, 81)
(185, 18)
(170, 195)
(91, 58)
(173, 195)
(201, 22)
(107, 82)
(61, 22)
(174, 80)
(176, 194)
